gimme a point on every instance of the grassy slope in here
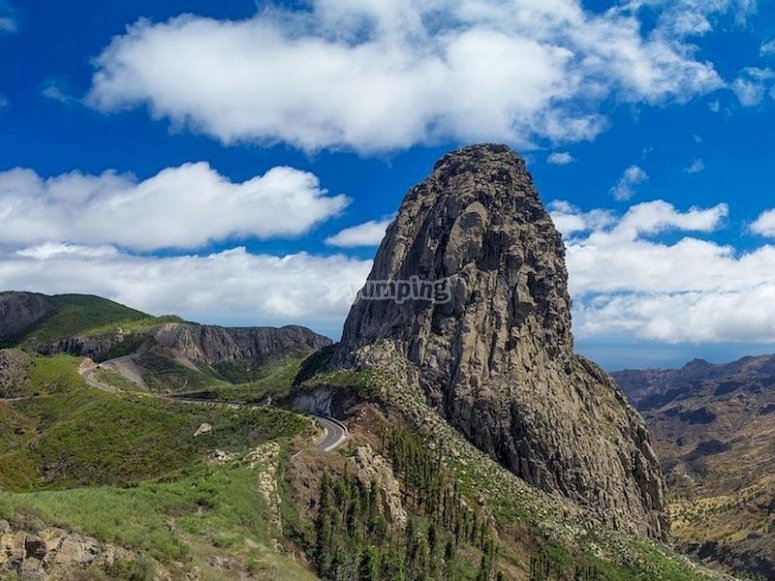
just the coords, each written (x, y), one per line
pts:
(73, 314)
(133, 461)
(200, 513)
(73, 435)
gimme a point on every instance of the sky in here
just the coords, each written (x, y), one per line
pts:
(238, 162)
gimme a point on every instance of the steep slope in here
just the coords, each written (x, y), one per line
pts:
(37, 320)
(714, 432)
(18, 311)
(490, 345)
(236, 353)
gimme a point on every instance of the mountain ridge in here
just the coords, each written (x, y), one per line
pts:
(713, 431)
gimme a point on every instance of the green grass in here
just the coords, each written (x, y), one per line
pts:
(55, 375)
(184, 518)
(361, 382)
(127, 470)
(80, 436)
(275, 384)
(73, 314)
(316, 363)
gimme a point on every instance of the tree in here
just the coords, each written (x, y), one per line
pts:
(370, 566)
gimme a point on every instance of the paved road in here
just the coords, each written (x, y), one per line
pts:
(336, 431)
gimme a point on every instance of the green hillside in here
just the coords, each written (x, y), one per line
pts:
(74, 314)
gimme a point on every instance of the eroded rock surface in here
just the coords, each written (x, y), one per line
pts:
(496, 359)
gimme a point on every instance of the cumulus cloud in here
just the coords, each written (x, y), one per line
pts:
(560, 158)
(180, 207)
(625, 280)
(625, 187)
(233, 285)
(696, 166)
(7, 24)
(375, 76)
(369, 233)
(765, 224)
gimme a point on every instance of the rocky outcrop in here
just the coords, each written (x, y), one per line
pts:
(217, 345)
(14, 366)
(490, 343)
(236, 352)
(20, 310)
(374, 468)
(91, 346)
(53, 553)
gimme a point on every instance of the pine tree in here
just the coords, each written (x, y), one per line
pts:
(369, 569)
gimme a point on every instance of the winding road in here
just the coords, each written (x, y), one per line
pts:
(335, 431)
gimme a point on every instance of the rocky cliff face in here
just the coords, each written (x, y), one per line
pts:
(200, 343)
(217, 345)
(492, 349)
(19, 310)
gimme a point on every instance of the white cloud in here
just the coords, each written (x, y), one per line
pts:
(180, 207)
(626, 281)
(56, 91)
(8, 24)
(767, 48)
(59, 249)
(8, 21)
(715, 106)
(560, 158)
(570, 220)
(375, 76)
(751, 86)
(233, 285)
(625, 187)
(765, 224)
(696, 17)
(369, 233)
(696, 166)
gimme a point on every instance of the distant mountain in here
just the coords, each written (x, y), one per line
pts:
(714, 430)
(159, 353)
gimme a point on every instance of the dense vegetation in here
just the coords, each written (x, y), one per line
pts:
(443, 539)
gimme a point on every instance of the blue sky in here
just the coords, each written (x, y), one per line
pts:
(237, 162)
